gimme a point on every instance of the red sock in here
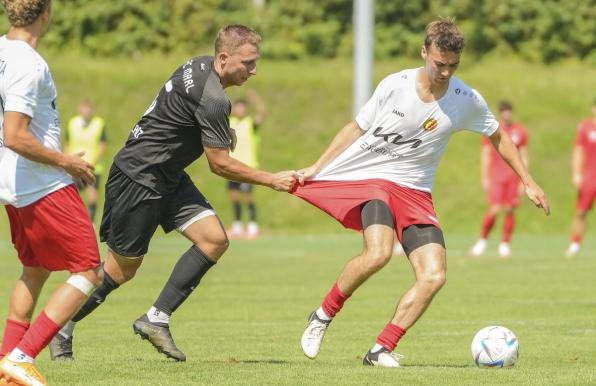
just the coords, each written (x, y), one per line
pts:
(390, 335)
(487, 224)
(334, 301)
(508, 226)
(576, 238)
(39, 335)
(13, 333)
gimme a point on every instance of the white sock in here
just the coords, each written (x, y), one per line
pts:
(158, 316)
(376, 348)
(68, 329)
(17, 355)
(322, 315)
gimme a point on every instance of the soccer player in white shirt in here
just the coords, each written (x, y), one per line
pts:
(377, 174)
(49, 224)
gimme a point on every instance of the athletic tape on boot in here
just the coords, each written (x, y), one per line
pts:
(81, 283)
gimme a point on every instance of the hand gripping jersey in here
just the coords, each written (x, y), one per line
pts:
(406, 137)
(191, 110)
(26, 87)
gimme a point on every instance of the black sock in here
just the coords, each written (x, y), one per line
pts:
(92, 209)
(97, 297)
(237, 211)
(187, 274)
(252, 211)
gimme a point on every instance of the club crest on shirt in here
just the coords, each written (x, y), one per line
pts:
(592, 136)
(430, 124)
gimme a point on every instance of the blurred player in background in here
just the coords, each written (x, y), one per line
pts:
(147, 186)
(86, 132)
(584, 178)
(247, 146)
(377, 175)
(501, 183)
(49, 224)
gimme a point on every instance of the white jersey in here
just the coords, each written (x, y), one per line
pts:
(26, 86)
(406, 137)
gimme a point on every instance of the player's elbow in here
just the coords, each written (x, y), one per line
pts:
(218, 167)
(13, 142)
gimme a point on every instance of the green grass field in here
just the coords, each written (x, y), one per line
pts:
(243, 324)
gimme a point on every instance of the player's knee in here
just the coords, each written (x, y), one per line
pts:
(581, 215)
(215, 246)
(379, 256)
(83, 282)
(434, 280)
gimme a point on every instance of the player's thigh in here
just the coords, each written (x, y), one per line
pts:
(429, 263)
(424, 243)
(190, 213)
(379, 229)
(131, 215)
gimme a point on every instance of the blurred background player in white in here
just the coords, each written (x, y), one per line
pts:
(377, 174)
(247, 150)
(584, 178)
(49, 224)
(502, 186)
(86, 132)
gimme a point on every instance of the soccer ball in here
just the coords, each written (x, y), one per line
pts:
(495, 347)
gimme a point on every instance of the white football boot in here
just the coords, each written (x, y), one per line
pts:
(504, 250)
(382, 358)
(313, 335)
(572, 250)
(478, 248)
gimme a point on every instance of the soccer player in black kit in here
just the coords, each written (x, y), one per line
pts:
(147, 185)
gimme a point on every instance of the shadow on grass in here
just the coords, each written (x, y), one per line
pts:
(233, 360)
(436, 366)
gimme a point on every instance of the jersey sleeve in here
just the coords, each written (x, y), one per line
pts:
(367, 114)
(22, 85)
(479, 118)
(212, 115)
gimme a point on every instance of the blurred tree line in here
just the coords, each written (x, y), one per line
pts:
(539, 30)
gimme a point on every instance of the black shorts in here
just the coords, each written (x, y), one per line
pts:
(244, 187)
(132, 212)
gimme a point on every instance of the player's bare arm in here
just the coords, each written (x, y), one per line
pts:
(484, 168)
(19, 139)
(343, 139)
(510, 154)
(577, 165)
(227, 167)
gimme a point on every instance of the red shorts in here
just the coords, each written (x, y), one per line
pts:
(504, 192)
(585, 198)
(343, 201)
(55, 233)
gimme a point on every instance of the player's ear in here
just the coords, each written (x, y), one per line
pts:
(423, 52)
(223, 57)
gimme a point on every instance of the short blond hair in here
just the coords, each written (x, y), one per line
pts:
(445, 34)
(22, 13)
(234, 36)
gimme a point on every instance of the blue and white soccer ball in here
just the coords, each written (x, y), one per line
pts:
(495, 347)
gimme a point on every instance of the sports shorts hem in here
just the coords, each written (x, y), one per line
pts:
(343, 201)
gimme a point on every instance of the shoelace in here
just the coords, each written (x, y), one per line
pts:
(397, 357)
(318, 330)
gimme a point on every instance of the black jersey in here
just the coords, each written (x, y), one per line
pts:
(191, 110)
